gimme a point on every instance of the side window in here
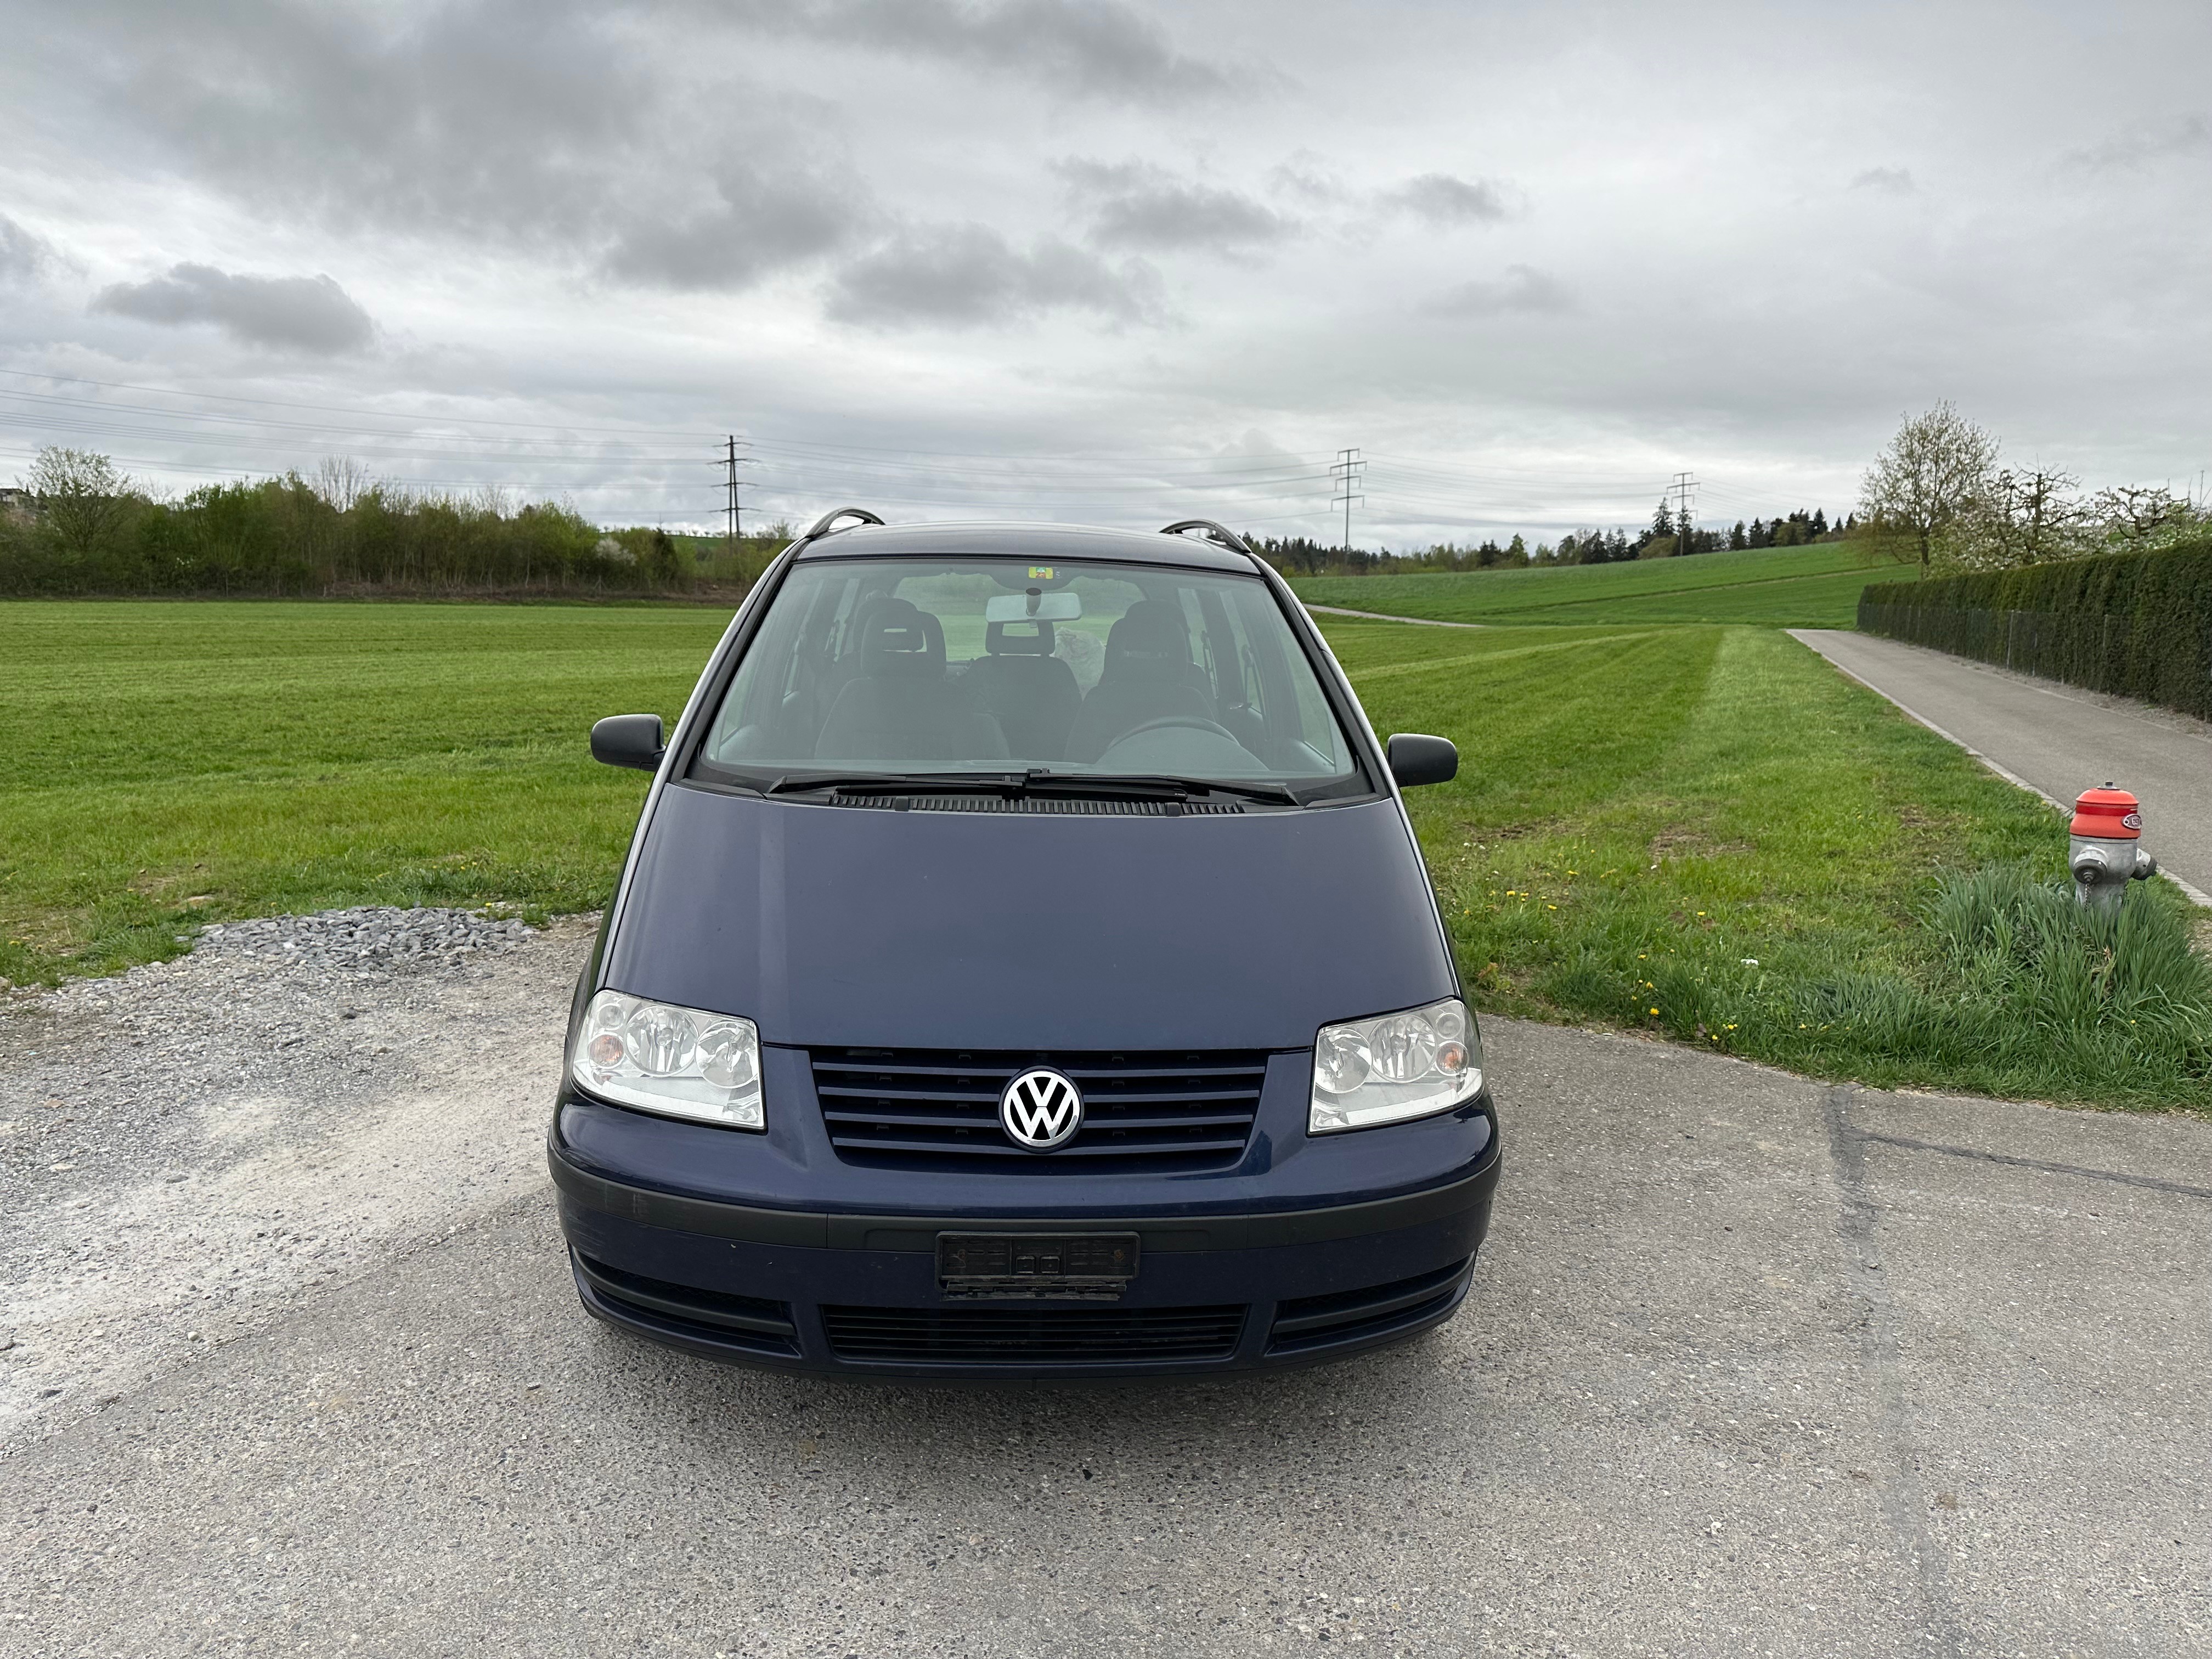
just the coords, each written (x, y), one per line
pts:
(782, 689)
(1082, 645)
(956, 599)
(1236, 682)
(1200, 637)
(1317, 726)
(1288, 698)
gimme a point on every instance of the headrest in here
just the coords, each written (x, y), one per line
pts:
(1149, 642)
(998, 642)
(901, 642)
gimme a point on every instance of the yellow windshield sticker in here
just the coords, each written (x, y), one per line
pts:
(1039, 572)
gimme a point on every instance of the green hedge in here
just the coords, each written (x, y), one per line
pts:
(2137, 624)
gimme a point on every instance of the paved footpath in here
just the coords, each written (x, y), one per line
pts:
(2056, 739)
(1753, 1365)
(1377, 616)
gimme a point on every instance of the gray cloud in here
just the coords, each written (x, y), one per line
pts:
(1309, 177)
(1134, 205)
(1888, 181)
(967, 275)
(1525, 288)
(756, 225)
(1444, 200)
(558, 129)
(293, 313)
(24, 256)
(1104, 48)
(2188, 136)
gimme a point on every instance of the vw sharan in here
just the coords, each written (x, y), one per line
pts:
(1023, 966)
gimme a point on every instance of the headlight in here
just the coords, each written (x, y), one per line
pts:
(676, 1060)
(1384, 1071)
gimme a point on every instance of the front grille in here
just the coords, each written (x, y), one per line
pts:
(1323, 1322)
(930, 1109)
(1012, 1336)
(738, 1321)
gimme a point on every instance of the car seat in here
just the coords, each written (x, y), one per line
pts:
(1031, 693)
(901, 707)
(1148, 676)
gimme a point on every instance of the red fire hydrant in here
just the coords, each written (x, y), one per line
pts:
(2108, 851)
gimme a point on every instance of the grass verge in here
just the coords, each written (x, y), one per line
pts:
(1709, 835)
(1816, 587)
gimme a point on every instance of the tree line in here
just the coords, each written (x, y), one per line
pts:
(79, 525)
(1939, 497)
(1662, 538)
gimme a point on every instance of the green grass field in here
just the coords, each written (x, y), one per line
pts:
(1788, 587)
(175, 762)
(1700, 831)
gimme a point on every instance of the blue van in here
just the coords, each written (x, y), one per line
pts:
(1023, 966)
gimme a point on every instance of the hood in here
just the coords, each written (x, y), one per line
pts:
(860, 926)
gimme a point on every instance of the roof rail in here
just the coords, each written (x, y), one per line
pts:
(828, 521)
(1214, 533)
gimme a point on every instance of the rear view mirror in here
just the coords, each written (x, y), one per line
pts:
(632, 740)
(1033, 606)
(1416, 759)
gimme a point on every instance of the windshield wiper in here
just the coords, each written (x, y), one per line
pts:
(1158, 785)
(1038, 780)
(894, 783)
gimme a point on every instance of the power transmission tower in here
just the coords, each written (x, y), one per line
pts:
(1344, 477)
(1684, 489)
(729, 482)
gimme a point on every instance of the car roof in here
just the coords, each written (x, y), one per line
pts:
(998, 540)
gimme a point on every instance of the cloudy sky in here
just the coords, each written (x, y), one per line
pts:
(1105, 260)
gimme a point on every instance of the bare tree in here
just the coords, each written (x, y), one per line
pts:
(2135, 517)
(81, 498)
(1935, 472)
(341, 480)
(2025, 517)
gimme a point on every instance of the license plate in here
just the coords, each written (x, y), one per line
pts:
(1016, 1266)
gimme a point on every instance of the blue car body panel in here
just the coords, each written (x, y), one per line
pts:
(948, 930)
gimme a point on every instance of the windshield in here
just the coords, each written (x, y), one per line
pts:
(906, 667)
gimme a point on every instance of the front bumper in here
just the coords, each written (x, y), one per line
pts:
(857, 1294)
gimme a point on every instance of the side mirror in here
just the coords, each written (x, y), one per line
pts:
(1416, 760)
(634, 741)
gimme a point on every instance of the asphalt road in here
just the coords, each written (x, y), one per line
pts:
(1752, 1366)
(2057, 740)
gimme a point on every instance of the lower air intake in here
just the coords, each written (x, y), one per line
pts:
(1046, 1336)
(738, 1321)
(1323, 1322)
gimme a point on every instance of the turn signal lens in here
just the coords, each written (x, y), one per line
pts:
(1405, 1065)
(681, 1062)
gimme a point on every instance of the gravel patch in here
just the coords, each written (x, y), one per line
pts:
(186, 1148)
(375, 940)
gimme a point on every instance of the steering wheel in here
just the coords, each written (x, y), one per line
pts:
(1176, 723)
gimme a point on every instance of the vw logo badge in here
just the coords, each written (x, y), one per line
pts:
(1041, 1109)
